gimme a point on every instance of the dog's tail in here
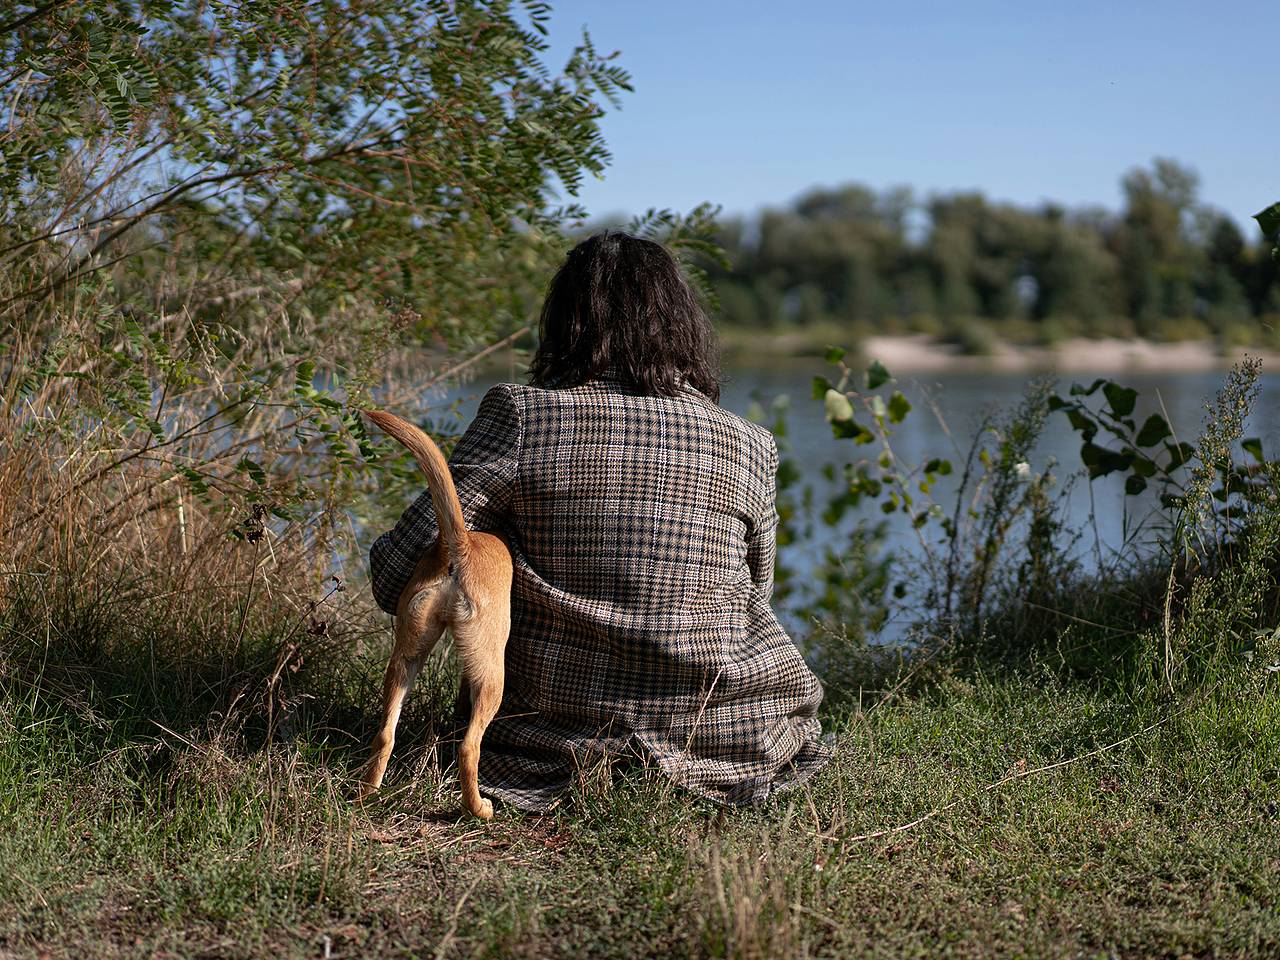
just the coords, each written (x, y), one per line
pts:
(444, 496)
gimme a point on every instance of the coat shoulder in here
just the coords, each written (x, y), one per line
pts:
(757, 437)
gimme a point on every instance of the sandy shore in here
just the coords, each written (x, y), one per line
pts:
(1112, 355)
(920, 353)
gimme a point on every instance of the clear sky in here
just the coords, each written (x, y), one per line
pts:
(749, 103)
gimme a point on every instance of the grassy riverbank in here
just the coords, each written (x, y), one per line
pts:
(1068, 763)
(136, 827)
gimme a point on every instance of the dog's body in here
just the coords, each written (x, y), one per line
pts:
(463, 584)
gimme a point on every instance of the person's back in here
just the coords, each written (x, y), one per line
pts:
(644, 505)
(641, 520)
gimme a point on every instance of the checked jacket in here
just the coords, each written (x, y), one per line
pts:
(643, 535)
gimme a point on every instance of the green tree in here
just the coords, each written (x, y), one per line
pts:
(219, 221)
(1165, 265)
(1076, 275)
(1158, 261)
(351, 149)
(1225, 276)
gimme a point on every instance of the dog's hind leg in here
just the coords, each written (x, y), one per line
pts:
(485, 675)
(417, 630)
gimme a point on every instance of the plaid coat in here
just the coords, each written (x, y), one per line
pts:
(643, 536)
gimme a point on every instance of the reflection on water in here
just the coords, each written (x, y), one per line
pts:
(1098, 512)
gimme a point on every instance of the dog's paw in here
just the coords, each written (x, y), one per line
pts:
(485, 811)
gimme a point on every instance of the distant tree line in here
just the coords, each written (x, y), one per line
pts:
(1165, 266)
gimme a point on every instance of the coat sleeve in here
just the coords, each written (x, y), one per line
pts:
(762, 540)
(484, 466)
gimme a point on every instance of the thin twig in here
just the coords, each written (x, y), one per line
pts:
(459, 367)
(35, 14)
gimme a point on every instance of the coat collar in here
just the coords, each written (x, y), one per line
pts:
(610, 375)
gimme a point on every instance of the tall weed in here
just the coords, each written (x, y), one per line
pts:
(999, 578)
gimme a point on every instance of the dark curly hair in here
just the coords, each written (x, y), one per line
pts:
(619, 302)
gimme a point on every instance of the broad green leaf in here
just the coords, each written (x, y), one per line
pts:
(851, 430)
(899, 407)
(1100, 461)
(1154, 429)
(1144, 466)
(837, 406)
(1078, 390)
(820, 387)
(835, 354)
(1083, 423)
(1121, 399)
(1253, 445)
(877, 375)
(1269, 220)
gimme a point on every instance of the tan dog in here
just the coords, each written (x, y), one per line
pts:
(464, 584)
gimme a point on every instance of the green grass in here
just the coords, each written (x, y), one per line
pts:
(124, 839)
(1073, 764)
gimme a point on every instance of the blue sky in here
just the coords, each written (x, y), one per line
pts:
(747, 104)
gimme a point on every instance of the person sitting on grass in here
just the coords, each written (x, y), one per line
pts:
(642, 521)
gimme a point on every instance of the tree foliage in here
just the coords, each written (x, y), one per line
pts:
(390, 150)
(1165, 265)
(220, 223)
